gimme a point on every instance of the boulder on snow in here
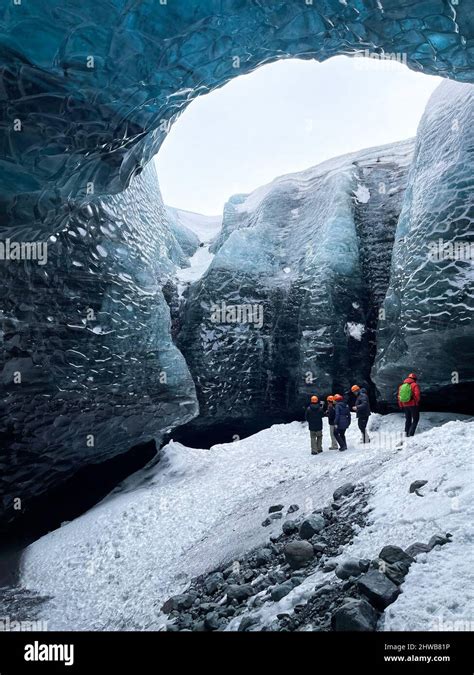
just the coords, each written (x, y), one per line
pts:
(397, 571)
(343, 491)
(354, 615)
(298, 554)
(273, 516)
(439, 540)
(281, 590)
(292, 508)
(417, 484)
(364, 564)
(311, 526)
(239, 592)
(393, 554)
(275, 508)
(415, 549)
(378, 589)
(289, 526)
(348, 568)
(179, 602)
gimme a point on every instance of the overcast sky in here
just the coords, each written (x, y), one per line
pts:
(285, 117)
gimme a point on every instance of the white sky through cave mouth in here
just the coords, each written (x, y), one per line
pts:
(285, 117)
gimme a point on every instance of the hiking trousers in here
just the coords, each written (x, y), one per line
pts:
(362, 422)
(316, 442)
(334, 445)
(341, 438)
(412, 416)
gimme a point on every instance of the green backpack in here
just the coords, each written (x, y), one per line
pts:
(405, 393)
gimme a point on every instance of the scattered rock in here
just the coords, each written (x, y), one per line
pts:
(348, 568)
(276, 576)
(274, 516)
(439, 540)
(397, 572)
(289, 526)
(180, 602)
(378, 589)
(415, 549)
(364, 565)
(330, 565)
(416, 485)
(212, 621)
(319, 547)
(213, 582)
(292, 508)
(275, 508)
(298, 554)
(239, 593)
(393, 554)
(343, 491)
(311, 526)
(246, 622)
(280, 591)
(354, 615)
(262, 557)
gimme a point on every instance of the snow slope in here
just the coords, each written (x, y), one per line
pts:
(206, 228)
(113, 567)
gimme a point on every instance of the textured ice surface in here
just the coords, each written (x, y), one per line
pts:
(113, 567)
(316, 260)
(90, 335)
(96, 88)
(88, 92)
(429, 306)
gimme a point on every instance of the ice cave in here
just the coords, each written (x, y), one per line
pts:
(100, 357)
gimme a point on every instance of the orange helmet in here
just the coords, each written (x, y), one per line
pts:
(355, 387)
(412, 375)
(314, 399)
(338, 397)
(330, 398)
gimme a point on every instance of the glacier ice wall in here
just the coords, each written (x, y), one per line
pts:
(88, 92)
(89, 335)
(427, 324)
(312, 250)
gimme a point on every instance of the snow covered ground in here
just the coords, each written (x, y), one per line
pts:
(113, 567)
(206, 228)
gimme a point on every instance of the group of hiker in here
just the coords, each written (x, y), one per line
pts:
(338, 409)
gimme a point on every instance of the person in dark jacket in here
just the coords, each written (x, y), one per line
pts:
(362, 408)
(314, 416)
(411, 407)
(331, 415)
(342, 421)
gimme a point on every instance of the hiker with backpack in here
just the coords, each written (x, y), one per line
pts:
(314, 416)
(362, 409)
(342, 421)
(409, 395)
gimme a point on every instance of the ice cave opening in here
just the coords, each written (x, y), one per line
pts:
(92, 342)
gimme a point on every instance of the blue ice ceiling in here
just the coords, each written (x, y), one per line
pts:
(95, 85)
